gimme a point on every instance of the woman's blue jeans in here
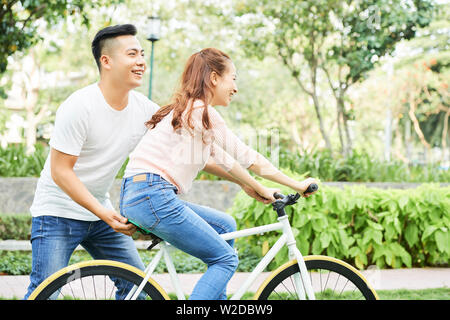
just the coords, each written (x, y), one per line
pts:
(152, 202)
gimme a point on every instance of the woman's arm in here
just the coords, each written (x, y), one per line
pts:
(213, 168)
(245, 178)
(249, 158)
(265, 169)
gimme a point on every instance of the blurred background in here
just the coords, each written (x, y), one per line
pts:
(339, 90)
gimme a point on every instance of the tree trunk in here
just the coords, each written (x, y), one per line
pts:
(412, 116)
(31, 94)
(321, 126)
(348, 144)
(338, 121)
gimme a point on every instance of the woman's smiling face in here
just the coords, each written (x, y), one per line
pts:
(224, 86)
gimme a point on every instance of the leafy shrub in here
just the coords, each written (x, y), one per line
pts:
(14, 162)
(15, 262)
(15, 226)
(360, 225)
(360, 166)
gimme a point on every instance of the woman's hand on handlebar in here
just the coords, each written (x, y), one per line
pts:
(268, 193)
(303, 185)
(252, 193)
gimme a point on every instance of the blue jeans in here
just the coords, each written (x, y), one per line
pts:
(194, 229)
(54, 239)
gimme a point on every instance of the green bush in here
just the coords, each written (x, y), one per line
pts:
(360, 166)
(14, 162)
(363, 226)
(15, 226)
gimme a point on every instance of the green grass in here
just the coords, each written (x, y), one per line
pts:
(425, 294)
(402, 294)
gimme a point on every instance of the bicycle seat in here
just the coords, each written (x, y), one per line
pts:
(155, 239)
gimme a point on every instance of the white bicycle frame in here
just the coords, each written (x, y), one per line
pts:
(302, 285)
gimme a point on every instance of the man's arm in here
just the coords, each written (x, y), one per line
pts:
(213, 168)
(63, 175)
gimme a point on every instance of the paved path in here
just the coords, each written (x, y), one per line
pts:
(424, 278)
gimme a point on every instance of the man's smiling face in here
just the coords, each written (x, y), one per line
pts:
(125, 60)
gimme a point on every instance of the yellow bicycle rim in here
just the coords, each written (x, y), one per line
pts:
(308, 258)
(91, 263)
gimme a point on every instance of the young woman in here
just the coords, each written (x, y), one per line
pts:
(181, 137)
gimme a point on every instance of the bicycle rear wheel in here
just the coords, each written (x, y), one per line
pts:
(331, 279)
(96, 280)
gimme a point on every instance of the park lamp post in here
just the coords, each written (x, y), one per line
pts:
(153, 35)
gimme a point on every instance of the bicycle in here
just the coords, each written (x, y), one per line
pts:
(289, 281)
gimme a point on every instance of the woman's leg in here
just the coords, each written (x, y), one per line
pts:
(154, 205)
(220, 221)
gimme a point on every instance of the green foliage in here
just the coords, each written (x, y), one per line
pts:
(364, 226)
(15, 226)
(15, 263)
(14, 162)
(19, 262)
(344, 39)
(364, 29)
(18, 27)
(360, 166)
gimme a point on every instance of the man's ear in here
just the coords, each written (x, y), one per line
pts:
(105, 62)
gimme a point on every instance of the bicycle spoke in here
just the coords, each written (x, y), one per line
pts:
(95, 291)
(281, 298)
(293, 286)
(73, 293)
(82, 287)
(111, 293)
(334, 289)
(328, 277)
(344, 287)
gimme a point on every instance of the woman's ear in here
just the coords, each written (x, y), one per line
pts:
(214, 78)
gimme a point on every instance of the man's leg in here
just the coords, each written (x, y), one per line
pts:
(53, 240)
(103, 242)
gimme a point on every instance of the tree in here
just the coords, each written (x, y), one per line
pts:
(343, 39)
(20, 19)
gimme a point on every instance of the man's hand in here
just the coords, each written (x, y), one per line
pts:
(252, 193)
(118, 223)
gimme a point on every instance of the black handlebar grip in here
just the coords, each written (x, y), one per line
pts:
(277, 195)
(311, 188)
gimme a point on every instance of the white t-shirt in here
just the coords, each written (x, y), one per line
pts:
(102, 138)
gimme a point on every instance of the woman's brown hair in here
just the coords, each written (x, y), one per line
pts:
(195, 85)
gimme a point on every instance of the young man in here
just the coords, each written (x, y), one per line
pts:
(95, 130)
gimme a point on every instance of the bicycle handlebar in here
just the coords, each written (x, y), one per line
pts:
(290, 199)
(311, 188)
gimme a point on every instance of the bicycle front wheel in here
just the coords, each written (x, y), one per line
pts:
(331, 279)
(96, 280)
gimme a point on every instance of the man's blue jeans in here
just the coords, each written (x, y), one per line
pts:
(194, 229)
(54, 239)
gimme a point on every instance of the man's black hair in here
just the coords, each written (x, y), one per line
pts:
(107, 33)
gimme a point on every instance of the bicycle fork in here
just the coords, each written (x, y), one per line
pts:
(302, 282)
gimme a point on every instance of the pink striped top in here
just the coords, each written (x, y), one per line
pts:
(178, 156)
